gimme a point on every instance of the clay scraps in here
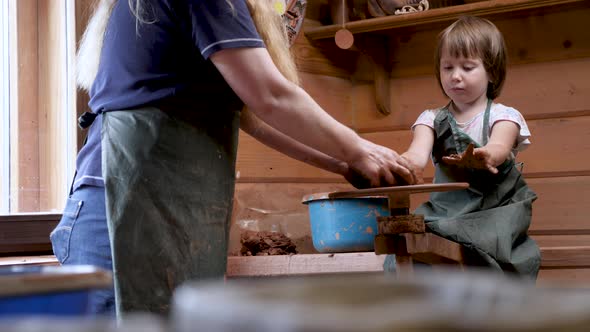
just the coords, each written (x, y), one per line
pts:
(266, 244)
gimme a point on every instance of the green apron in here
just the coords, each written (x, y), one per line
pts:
(490, 218)
(169, 194)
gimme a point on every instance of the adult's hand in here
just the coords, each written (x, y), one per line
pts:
(380, 167)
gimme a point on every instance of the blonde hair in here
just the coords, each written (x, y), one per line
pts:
(269, 24)
(271, 28)
(475, 37)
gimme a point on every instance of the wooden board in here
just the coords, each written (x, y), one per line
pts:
(553, 272)
(527, 89)
(368, 262)
(332, 94)
(52, 279)
(402, 190)
(560, 147)
(264, 266)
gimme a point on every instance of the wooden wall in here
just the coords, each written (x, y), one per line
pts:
(548, 81)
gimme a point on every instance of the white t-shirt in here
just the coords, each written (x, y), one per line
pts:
(474, 127)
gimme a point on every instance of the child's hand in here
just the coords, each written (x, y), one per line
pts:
(407, 156)
(478, 158)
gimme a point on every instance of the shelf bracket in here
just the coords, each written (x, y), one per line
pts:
(375, 47)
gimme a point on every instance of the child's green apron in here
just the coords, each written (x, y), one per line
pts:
(169, 192)
(491, 218)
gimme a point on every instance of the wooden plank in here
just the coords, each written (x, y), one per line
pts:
(560, 209)
(563, 257)
(564, 278)
(413, 49)
(391, 225)
(317, 58)
(29, 260)
(333, 94)
(53, 146)
(431, 248)
(548, 241)
(559, 146)
(527, 89)
(55, 279)
(411, 189)
(26, 233)
(24, 120)
(434, 16)
(266, 266)
(275, 206)
(562, 204)
(554, 257)
(258, 163)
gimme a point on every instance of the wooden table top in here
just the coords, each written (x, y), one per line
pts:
(410, 189)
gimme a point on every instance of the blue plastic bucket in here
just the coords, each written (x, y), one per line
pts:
(344, 224)
(49, 290)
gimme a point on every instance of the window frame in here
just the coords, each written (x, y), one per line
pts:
(4, 117)
(28, 233)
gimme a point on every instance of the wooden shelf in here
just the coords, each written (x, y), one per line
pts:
(432, 16)
(373, 33)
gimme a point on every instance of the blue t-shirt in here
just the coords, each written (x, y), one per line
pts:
(164, 62)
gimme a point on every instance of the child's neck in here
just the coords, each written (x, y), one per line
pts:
(464, 112)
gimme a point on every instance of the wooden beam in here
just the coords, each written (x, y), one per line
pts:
(564, 257)
(24, 116)
(20, 234)
(266, 266)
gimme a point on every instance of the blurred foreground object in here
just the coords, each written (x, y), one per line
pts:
(435, 300)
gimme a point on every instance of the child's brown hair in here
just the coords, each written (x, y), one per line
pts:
(475, 37)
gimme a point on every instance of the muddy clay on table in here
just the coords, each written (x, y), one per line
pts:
(266, 244)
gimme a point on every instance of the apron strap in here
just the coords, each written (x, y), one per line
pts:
(486, 123)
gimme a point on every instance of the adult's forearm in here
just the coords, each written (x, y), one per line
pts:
(295, 113)
(288, 146)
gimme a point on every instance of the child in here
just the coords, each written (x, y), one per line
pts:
(474, 140)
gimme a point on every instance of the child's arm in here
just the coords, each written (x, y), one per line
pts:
(493, 154)
(502, 140)
(418, 154)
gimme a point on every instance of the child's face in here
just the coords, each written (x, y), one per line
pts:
(464, 80)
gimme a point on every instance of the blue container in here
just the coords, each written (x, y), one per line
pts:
(344, 224)
(49, 290)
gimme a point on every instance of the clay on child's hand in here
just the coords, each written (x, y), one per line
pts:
(470, 159)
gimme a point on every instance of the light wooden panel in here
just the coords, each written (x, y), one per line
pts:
(324, 59)
(561, 208)
(539, 90)
(333, 94)
(532, 38)
(548, 241)
(24, 122)
(571, 277)
(559, 146)
(562, 204)
(258, 163)
(52, 95)
(275, 206)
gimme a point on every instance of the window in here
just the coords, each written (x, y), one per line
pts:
(4, 119)
(38, 137)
